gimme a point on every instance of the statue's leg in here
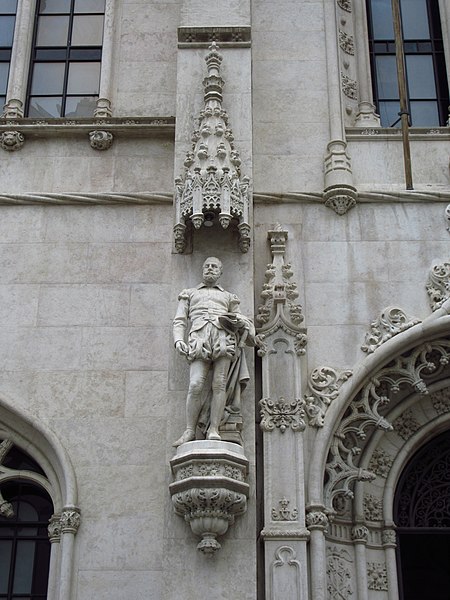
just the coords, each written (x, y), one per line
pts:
(197, 375)
(221, 368)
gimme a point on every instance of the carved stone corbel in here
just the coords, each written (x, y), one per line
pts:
(209, 490)
(101, 140)
(12, 140)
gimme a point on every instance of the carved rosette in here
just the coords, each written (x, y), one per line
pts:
(211, 190)
(324, 384)
(12, 140)
(209, 490)
(70, 520)
(101, 140)
(281, 414)
(391, 322)
(438, 285)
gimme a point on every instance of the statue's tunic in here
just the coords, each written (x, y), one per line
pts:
(203, 305)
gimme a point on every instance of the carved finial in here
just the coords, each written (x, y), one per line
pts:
(211, 190)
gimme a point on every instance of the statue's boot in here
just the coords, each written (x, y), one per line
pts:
(188, 436)
(213, 434)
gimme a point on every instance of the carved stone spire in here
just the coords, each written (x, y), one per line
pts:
(211, 188)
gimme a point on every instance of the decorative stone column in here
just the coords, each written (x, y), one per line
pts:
(389, 538)
(70, 522)
(360, 537)
(317, 522)
(282, 343)
(54, 535)
(209, 490)
(103, 108)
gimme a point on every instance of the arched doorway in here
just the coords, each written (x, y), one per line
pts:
(422, 516)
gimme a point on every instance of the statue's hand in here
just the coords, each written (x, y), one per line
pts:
(181, 347)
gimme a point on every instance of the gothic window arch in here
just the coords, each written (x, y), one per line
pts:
(422, 517)
(25, 512)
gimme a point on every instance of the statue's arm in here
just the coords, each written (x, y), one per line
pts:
(180, 322)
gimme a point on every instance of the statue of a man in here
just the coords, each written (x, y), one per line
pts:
(215, 340)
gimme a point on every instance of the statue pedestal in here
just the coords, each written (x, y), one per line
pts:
(209, 490)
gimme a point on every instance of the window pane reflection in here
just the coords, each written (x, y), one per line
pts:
(81, 106)
(4, 70)
(6, 30)
(23, 575)
(424, 113)
(90, 6)
(45, 108)
(5, 560)
(382, 20)
(84, 78)
(48, 78)
(8, 7)
(420, 76)
(415, 19)
(87, 30)
(389, 114)
(386, 76)
(54, 6)
(52, 31)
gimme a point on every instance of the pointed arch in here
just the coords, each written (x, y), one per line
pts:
(435, 327)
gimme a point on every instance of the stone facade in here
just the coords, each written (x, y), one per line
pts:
(90, 383)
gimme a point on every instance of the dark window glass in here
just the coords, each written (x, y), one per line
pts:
(66, 58)
(24, 544)
(7, 23)
(427, 87)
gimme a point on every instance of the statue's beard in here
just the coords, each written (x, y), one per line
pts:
(209, 278)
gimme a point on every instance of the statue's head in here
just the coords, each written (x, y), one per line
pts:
(212, 269)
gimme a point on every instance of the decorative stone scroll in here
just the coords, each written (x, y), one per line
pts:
(324, 383)
(211, 188)
(410, 370)
(282, 415)
(391, 322)
(438, 285)
(209, 490)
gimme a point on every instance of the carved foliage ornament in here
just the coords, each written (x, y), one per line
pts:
(377, 577)
(408, 371)
(211, 188)
(101, 140)
(360, 533)
(281, 414)
(438, 286)
(349, 87)
(381, 462)
(324, 384)
(391, 322)
(346, 42)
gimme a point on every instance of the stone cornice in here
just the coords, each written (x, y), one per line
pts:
(135, 127)
(391, 133)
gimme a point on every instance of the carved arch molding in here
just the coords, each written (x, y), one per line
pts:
(395, 410)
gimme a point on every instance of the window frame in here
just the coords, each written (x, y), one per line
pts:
(436, 50)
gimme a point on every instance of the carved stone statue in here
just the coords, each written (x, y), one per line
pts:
(214, 343)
